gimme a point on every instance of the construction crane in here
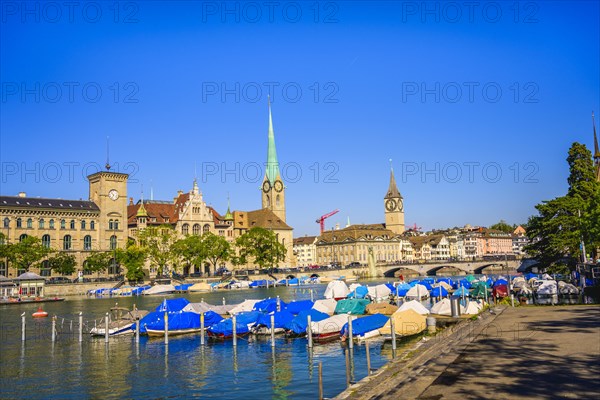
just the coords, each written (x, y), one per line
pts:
(416, 228)
(322, 219)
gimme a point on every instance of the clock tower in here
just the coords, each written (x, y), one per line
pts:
(394, 207)
(109, 191)
(273, 189)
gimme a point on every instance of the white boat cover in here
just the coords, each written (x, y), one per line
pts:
(525, 290)
(160, 289)
(443, 284)
(417, 291)
(330, 325)
(472, 308)
(519, 282)
(353, 286)
(547, 287)
(414, 305)
(246, 305)
(326, 306)
(567, 288)
(379, 291)
(443, 308)
(336, 289)
(241, 285)
(203, 306)
(200, 287)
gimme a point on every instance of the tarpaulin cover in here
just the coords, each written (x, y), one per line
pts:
(352, 306)
(465, 283)
(422, 283)
(359, 292)
(282, 318)
(269, 305)
(300, 322)
(461, 291)
(246, 305)
(336, 289)
(381, 308)
(180, 321)
(379, 291)
(360, 326)
(391, 287)
(296, 306)
(500, 291)
(183, 286)
(478, 289)
(500, 282)
(406, 323)
(293, 281)
(415, 306)
(439, 291)
(326, 306)
(417, 291)
(401, 289)
(262, 283)
(330, 325)
(172, 305)
(243, 322)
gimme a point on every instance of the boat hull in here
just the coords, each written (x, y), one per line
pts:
(176, 332)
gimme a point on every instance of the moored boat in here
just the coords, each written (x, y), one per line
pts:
(120, 322)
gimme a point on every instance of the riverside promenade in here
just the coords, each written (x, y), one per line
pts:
(525, 352)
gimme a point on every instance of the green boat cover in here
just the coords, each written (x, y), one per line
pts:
(352, 306)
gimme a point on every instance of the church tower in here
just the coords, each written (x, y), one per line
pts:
(596, 151)
(394, 207)
(273, 189)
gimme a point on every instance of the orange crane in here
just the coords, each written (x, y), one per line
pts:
(321, 220)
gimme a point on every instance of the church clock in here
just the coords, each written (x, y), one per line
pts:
(390, 205)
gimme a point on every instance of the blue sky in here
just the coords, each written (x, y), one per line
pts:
(455, 96)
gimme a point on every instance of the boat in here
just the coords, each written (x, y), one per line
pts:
(40, 313)
(181, 323)
(160, 289)
(120, 322)
(263, 324)
(406, 323)
(297, 326)
(15, 300)
(352, 306)
(224, 329)
(336, 290)
(364, 328)
(328, 329)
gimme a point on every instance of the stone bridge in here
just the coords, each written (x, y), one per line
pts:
(448, 268)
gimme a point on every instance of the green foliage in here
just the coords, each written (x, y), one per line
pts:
(190, 250)
(559, 269)
(158, 242)
(563, 222)
(132, 258)
(503, 226)
(98, 261)
(216, 248)
(63, 263)
(262, 246)
(26, 253)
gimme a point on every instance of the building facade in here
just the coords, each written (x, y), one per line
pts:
(305, 251)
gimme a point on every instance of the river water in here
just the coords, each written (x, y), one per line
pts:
(69, 369)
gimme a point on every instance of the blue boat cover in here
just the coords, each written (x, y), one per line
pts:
(465, 283)
(298, 325)
(296, 306)
(391, 287)
(269, 305)
(359, 293)
(446, 280)
(184, 286)
(500, 282)
(462, 291)
(261, 283)
(439, 291)
(401, 289)
(172, 305)
(181, 321)
(360, 326)
(282, 318)
(225, 327)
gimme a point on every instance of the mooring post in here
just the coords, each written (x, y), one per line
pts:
(137, 330)
(278, 304)
(202, 329)
(393, 328)
(272, 330)
(80, 326)
(223, 300)
(347, 368)
(23, 327)
(368, 358)
(312, 296)
(320, 381)
(106, 328)
(350, 341)
(54, 328)
(233, 321)
(166, 328)
(309, 331)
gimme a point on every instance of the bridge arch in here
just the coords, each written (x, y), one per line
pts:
(404, 271)
(446, 270)
(492, 268)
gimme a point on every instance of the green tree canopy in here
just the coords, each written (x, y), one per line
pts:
(27, 253)
(158, 242)
(63, 263)
(190, 250)
(503, 226)
(261, 246)
(133, 259)
(98, 261)
(216, 249)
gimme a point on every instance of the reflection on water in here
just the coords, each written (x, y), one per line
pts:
(123, 368)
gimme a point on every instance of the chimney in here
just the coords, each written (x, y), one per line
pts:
(22, 194)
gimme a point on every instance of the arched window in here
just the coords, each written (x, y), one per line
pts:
(29, 223)
(6, 222)
(22, 237)
(72, 224)
(111, 224)
(185, 229)
(206, 228)
(196, 229)
(63, 224)
(41, 223)
(116, 224)
(277, 201)
(113, 242)
(46, 241)
(87, 242)
(82, 224)
(45, 268)
(67, 242)
(51, 224)
(19, 223)
(92, 225)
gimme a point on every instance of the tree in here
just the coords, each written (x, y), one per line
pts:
(503, 226)
(190, 250)
(63, 263)
(562, 223)
(216, 248)
(133, 258)
(98, 261)
(27, 253)
(158, 242)
(262, 246)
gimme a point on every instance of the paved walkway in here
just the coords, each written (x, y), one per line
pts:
(522, 353)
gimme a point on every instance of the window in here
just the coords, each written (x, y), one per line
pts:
(45, 268)
(41, 223)
(51, 224)
(113, 242)
(22, 237)
(29, 223)
(46, 241)
(82, 224)
(3, 269)
(277, 201)
(196, 229)
(72, 224)
(117, 224)
(113, 267)
(63, 224)
(111, 225)
(185, 229)
(92, 225)
(6, 222)
(67, 242)
(206, 228)
(19, 223)
(87, 242)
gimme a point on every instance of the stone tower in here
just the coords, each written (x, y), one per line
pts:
(109, 191)
(394, 207)
(273, 189)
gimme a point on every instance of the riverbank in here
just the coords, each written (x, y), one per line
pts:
(523, 352)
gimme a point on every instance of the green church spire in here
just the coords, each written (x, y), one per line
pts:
(272, 170)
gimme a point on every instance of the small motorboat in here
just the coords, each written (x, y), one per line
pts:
(120, 322)
(40, 313)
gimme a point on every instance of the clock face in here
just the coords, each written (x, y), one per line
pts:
(390, 205)
(266, 186)
(400, 205)
(113, 194)
(278, 186)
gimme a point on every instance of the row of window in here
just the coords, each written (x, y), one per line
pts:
(45, 270)
(42, 224)
(185, 229)
(68, 242)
